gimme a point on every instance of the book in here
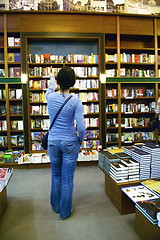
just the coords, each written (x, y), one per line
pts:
(149, 208)
(10, 41)
(152, 184)
(17, 41)
(17, 57)
(139, 193)
(11, 57)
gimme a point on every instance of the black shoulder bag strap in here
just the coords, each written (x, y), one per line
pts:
(59, 111)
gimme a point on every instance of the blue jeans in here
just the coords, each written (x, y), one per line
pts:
(63, 156)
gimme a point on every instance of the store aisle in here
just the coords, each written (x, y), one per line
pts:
(30, 217)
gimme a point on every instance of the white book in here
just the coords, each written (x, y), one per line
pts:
(10, 41)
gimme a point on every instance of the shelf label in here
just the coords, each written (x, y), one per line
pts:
(128, 112)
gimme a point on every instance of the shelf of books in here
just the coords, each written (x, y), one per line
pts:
(129, 107)
(11, 124)
(83, 57)
(2, 68)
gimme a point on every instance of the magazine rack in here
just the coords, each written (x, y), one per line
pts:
(145, 229)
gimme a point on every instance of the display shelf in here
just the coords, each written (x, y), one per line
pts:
(145, 229)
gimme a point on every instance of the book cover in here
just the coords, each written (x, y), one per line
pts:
(17, 57)
(149, 208)
(10, 57)
(10, 41)
(139, 193)
(152, 184)
(17, 71)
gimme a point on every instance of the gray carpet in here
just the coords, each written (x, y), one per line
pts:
(30, 217)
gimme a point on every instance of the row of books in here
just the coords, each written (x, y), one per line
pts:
(129, 137)
(14, 72)
(136, 136)
(17, 125)
(79, 71)
(91, 122)
(38, 84)
(14, 57)
(89, 134)
(131, 92)
(33, 158)
(43, 71)
(3, 125)
(134, 122)
(87, 96)
(70, 58)
(140, 92)
(87, 155)
(15, 109)
(10, 156)
(125, 72)
(15, 93)
(138, 107)
(14, 41)
(92, 108)
(90, 144)
(92, 134)
(17, 140)
(40, 123)
(111, 137)
(131, 58)
(39, 109)
(131, 107)
(120, 166)
(37, 97)
(112, 122)
(86, 83)
(5, 175)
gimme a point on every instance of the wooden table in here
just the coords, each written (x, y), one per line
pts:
(121, 201)
(3, 202)
(145, 229)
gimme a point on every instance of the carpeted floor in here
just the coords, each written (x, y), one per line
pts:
(30, 217)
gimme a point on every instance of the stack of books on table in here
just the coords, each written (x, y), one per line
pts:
(133, 168)
(119, 172)
(144, 160)
(108, 159)
(154, 150)
(149, 209)
(5, 174)
(129, 150)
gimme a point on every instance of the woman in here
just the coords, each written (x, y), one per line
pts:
(64, 141)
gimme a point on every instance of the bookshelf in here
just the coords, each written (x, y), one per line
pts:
(11, 112)
(129, 106)
(45, 56)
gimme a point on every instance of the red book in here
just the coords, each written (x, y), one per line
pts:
(47, 58)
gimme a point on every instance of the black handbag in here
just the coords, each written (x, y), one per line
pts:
(45, 137)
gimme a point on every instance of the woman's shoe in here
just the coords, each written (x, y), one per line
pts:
(68, 216)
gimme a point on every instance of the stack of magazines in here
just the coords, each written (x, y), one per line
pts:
(5, 174)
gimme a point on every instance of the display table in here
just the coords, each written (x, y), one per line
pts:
(121, 201)
(3, 202)
(145, 229)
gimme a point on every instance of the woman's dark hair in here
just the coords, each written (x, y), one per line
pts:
(66, 78)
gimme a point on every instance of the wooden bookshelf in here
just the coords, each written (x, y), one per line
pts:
(3, 202)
